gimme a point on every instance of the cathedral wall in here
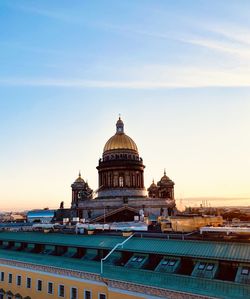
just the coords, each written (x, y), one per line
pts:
(122, 192)
(100, 206)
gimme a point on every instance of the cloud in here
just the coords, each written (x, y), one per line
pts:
(232, 32)
(227, 38)
(221, 47)
(147, 77)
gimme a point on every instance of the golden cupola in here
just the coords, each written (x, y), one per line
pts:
(120, 141)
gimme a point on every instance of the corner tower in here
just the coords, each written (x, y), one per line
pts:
(80, 191)
(121, 170)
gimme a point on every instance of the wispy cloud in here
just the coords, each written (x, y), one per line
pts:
(233, 49)
(228, 39)
(150, 77)
(232, 32)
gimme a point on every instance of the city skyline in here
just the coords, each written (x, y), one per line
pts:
(178, 73)
(44, 161)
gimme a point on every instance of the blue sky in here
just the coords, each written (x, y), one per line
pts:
(177, 71)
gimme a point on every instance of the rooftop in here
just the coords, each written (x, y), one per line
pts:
(175, 282)
(178, 281)
(227, 251)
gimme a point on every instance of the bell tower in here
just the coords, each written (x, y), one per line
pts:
(80, 191)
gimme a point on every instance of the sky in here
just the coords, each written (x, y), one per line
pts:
(178, 72)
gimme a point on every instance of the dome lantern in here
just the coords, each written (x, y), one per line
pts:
(119, 126)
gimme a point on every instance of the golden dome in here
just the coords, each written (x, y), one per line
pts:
(165, 180)
(152, 186)
(120, 140)
(79, 179)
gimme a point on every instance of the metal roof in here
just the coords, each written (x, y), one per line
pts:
(182, 283)
(104, 242)
(232, 251)
(197, 249)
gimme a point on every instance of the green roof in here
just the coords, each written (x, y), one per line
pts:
(96, 241)
(182, 283)
(231, 251)
(197, 249)
(175, 282)
(51, 260)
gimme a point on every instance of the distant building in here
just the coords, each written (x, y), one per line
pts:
(41, 216)
(121, 193)
(12, 217)
(189, 223)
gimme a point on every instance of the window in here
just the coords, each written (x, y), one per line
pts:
(28, 283)
(87, 294)
(39, 285)
(201, 266)
(18, 280)
(245, 271)
(102, 296)
(73, 293)
(2, 276)
(50, 287)
(210, 267)
(137, 259)
(164, 263)
(172, 263)
(10, 278)
(61, 290)
(120, 181)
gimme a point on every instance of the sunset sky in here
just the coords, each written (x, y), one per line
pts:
(177, 71)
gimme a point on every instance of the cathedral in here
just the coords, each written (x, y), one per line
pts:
(121, 194)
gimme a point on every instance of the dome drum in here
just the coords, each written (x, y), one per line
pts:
(120, 163)
(121, 155)
(122, 192)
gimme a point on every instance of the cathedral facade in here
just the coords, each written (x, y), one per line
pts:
(121, 193)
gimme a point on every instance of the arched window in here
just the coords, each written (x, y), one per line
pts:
(121, 183)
